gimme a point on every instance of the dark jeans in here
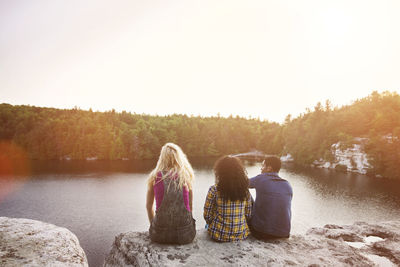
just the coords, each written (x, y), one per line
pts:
(263, 236)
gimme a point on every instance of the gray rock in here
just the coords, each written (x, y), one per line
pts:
(26, 242)
(360, 244)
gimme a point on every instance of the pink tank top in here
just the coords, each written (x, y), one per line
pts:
(159, 192)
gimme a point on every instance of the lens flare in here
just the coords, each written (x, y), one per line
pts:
(14, 168)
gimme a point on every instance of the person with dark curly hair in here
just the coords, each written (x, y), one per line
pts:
(228, 204)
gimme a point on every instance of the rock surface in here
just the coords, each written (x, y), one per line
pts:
(351, 159)
(26, 242)
(360, 244)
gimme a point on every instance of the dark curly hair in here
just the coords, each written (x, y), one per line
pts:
(231, 178)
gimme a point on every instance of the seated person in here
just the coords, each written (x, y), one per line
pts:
(170, 184)
(271, 213)
(228, 204)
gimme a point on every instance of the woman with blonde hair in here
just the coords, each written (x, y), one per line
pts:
(170, 184)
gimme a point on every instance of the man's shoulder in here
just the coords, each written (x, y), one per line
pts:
(275, 177)
(257, 176)
(271, 176)
(285, 185)
(282, 179)
(279, 178)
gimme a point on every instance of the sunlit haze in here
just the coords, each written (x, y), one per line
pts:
(261, 59)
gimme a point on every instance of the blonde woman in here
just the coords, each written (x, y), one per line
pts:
(170, 184)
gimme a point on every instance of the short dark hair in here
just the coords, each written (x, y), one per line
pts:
(274, 162)
(231, 178)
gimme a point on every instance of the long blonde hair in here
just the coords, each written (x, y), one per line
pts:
(173, 161)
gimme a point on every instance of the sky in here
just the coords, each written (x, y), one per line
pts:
(260, 59)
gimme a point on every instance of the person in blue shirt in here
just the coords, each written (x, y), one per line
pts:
(271, 213)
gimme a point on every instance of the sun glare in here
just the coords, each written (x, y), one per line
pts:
(14, 168)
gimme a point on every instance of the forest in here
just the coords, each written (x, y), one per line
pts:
(49, 133)
(376, 117)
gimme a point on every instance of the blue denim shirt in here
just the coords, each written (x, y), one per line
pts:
(272, 209)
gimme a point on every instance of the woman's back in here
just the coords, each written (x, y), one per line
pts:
(227, 219)
(170, 185)
(172, 202)
(228, 204)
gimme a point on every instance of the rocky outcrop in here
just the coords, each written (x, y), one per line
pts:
(360, 244)
(26, 242)
(287, 158)
(350, 158)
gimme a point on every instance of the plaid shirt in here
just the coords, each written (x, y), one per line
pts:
(226, 219)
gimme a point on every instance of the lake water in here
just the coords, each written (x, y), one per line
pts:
(98, 200)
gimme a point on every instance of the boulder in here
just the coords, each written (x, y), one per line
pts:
(360, 244)
(26, 242)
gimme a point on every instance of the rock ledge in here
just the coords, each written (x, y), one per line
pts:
(360, 244)
(26, 242)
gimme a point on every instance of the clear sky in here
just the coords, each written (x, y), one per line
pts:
(261, 59)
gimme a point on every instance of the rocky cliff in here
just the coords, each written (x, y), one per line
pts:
(360, 244)
(351, 158)
(26, 242)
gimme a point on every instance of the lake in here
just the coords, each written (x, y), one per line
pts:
(97, 200)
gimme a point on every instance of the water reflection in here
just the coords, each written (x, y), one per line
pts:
(324, 196)
(98, 200)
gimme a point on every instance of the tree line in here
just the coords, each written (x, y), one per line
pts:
(49, 133)
(376, 117)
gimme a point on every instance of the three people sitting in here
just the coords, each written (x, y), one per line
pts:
(229, 210)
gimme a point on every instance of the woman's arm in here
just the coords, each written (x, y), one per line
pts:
(209, 205)
(191, 200)
(249, 206)
(149, 202)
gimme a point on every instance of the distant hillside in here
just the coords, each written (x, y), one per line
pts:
(377, 117)
(48, 133)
